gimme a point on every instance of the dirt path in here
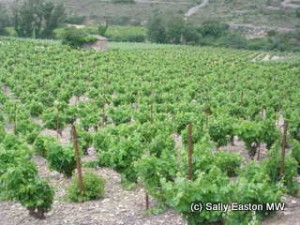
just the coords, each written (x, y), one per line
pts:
(289, 4)
(196, 8)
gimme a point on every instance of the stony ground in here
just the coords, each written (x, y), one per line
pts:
(118, 206)
(290, 216)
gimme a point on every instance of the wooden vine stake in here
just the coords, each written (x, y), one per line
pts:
(148, 154)
(147, 201)
(258, 152)
(283, 144)
(105, 101)
(190, 151)
(77, 157)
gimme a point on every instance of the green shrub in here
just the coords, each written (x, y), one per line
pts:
(250, 132)
(26, 126)
(253, 186)
(258, 44)
(1, 117)
(211, 187)
(190, 34)
(53, 119)
(93, 188)
(2, 132)
(165, 28)
(213, 29)
(120, 115)
(296, 154)
(36, 108)
(255, 193)
(61, 159)
(151, 170)
(21, 183)
(294, 129)
(272, 169)
(10, 158)
(37, 198)
(119, 148)
(11, 142)
(30, 137)
(234, 40)
(40, 145)
(270, 133)
(76, 37)
(220, 130)
(228, 162)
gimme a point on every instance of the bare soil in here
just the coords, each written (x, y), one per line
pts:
(290, 216)
(118, 206)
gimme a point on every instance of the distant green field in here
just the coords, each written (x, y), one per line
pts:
(119, 31)
(114, 32)
(134, 46)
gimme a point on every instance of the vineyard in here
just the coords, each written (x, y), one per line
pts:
(165, 127)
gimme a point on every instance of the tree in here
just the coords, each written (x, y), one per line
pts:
(4, 19)
(165, 28)
(37, 18)
(53, 16)
(213, 29)
(190, 34)
(76, 38)
(174, 27)
(157, 29)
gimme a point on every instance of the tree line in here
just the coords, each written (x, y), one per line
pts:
(32, 18)
(39, 19)
(175, 29)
